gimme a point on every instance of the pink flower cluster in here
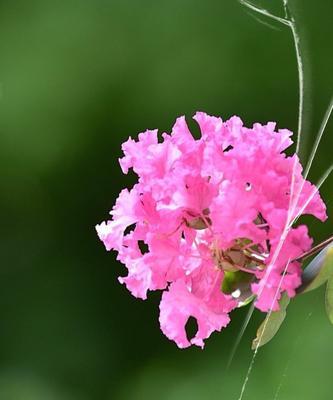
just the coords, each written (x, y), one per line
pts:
(208, 211)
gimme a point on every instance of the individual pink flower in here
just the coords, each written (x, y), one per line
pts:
(205, 220)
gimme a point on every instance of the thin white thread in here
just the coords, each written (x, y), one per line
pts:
(262, 333)
(263, 22)
(292, 204)
(276, 253)
(300, 81)
(309, 164)
(291, 24)
(263, 12)
(316, 189)
(319, 137)
(240, 335)
(286, 228)
(284, 374)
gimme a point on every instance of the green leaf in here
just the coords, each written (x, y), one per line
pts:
(233, 279)
(271, 324)
(329, 299)
(238, 281)
(319, 270)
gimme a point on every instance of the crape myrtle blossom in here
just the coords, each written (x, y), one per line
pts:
(204, 220)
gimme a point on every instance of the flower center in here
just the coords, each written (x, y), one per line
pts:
(244, 255)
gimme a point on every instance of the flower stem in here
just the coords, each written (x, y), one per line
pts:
(314, 249)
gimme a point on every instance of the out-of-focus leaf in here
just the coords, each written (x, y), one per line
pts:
(271, 324)
(318, 271)
(329, 299)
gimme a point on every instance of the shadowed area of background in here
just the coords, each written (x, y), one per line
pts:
(77, 78)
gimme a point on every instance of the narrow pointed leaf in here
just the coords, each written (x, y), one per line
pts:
(329, 299)
(271, 324)
(319, 270)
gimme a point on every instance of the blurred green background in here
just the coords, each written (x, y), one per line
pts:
(76, 79)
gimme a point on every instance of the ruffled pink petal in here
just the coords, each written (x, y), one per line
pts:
(197, 197)
(134, 152)
(111, 232)
(177, 305)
